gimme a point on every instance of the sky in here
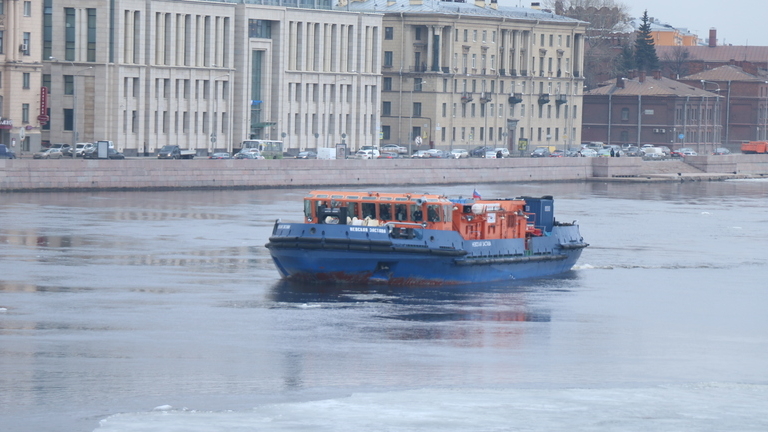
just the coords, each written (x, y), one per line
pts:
(738, 22)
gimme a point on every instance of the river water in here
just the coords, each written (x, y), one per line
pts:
(161, 311)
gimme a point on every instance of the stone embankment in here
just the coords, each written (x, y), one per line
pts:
(147, 173)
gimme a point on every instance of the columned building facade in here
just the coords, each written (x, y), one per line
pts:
(206, 75)
(459, 75)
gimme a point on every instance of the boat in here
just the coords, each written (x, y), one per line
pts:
(423, 239)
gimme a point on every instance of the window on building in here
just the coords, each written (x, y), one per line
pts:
(26, 40)
(386, 132)
(2, 41)
(69, 34)
(388, 58)
(27, 8)
(386, 108)
(625, 114)
(417, 109)
(389, 33)
(387, 84)
(417, 34)
(91, 47)
(25, 80)
(25, 113)
(259, 29)
(69, 84)
(68, 119)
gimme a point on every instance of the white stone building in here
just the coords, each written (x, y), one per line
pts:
(206, 75)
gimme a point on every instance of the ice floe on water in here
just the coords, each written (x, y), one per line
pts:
(699, 407)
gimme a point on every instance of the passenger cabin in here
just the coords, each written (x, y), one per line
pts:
(472, 219)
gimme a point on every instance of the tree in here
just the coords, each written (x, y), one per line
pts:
(645, 50)
(675, 63)
(608, 30)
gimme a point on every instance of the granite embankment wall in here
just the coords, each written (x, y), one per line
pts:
(135, 174)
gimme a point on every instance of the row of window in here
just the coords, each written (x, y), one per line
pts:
(27, 8)
(328, 124)
(24, 48)
(389, 34)
(489, 86)
(470, 110)
(486, 134)
(181, 89)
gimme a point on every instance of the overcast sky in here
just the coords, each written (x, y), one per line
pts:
(738, 22)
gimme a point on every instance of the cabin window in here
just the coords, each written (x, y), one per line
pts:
(369, 210)
(433, 213)
(352, 209)
(401, 212)
(416, 215)
(385, 211)
(308, 209)
(448, 213)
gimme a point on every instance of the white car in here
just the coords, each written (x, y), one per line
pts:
(419, 154)
(366, 154)
(394, 148)
(81, 148)
(504, 151)
(459, 153)
(588, 152)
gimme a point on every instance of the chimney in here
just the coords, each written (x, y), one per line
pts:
(712, 37)
(620, 82)
(632, 74)
(657, 74)
(480, 3)
(641, 76)
(536, 5)
(494, 4)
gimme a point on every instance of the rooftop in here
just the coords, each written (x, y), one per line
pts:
(724, 73)
(650, 86)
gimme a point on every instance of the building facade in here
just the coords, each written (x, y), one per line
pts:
(745, 102)
(653, 110)
(460, 75)
(20, 74)
(206, 75)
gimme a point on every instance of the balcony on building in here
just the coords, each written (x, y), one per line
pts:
(466, 97)
(515, 98)
(543, 98)
(561, 99)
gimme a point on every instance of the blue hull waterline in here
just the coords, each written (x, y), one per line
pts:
(412, 254)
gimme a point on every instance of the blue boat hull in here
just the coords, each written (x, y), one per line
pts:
(344, 254)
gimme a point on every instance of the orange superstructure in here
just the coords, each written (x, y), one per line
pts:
(472, 219)
(752, 147)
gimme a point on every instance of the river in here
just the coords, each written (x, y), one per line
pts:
(162, 311)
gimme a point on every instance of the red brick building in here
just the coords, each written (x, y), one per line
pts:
(745, 101)
(653, 110)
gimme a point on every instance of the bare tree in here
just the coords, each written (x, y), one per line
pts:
(675, 62)
(606, 35)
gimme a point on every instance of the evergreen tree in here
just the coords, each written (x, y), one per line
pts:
(625, 62)
(645, 51)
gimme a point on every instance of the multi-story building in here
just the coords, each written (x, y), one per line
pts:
(653, 110)
(460, 75)
(206, 75)
(20, 74)
(745, 101)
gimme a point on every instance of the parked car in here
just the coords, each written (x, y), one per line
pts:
(220, 155)
(248, 155)
(6, 153)
(633, 151)
(394, 148)
(480, 151)
(389, 155)
(51, 153)
(81, 147)
(665, 150)
(540, 152)
(306, 155)
(557, 153)
(366, 154)
(459, 153)
(605, 152)
(504, 151)
(572, 152)
(419, 154)
(436, 154)
(653, 153)
(682, 152)
(587, 152)
(721, 151)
